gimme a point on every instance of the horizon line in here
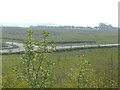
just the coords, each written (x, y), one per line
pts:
(47, 24)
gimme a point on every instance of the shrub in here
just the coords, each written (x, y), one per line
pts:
(86, 74)
(35, 68)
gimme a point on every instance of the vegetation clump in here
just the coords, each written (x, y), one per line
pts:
(35, 68)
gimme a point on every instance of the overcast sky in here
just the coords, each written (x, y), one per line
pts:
(63, 12)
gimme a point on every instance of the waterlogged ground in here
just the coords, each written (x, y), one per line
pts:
(21, 48)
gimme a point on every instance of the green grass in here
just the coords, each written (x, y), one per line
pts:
(63, 35)
(104, 61)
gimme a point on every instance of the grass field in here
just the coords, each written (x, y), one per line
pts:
(100, 67)
(62, 35)
(104, 61)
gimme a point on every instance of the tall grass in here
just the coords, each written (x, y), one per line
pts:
(103, 62)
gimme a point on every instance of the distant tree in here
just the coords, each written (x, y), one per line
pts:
(105, 26)
(96, 27)
(88, 27)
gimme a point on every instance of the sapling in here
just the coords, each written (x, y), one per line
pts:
(35, 67)
(85, 77)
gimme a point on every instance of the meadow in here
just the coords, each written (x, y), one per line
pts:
(62, 35)
(99, 66)
(104, 61)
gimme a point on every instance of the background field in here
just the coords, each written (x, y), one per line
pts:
(62, 34)
(104, 61)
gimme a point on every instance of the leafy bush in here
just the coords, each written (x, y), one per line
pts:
(86, 74)
(35, 68)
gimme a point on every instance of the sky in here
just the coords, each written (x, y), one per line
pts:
(58, 12)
